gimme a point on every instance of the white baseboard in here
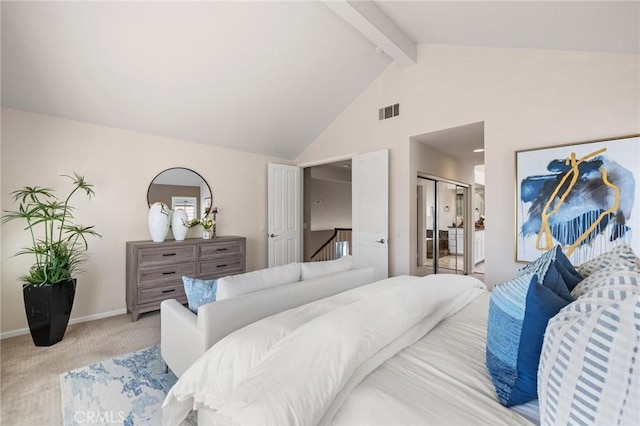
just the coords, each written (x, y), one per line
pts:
(88, 318)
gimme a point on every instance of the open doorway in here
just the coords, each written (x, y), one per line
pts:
(327, 211)
(448, 155)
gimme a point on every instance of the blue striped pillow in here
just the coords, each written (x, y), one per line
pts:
(556, 256)
(519, 311)
(601, 330)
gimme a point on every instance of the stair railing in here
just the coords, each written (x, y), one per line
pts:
(338, 245)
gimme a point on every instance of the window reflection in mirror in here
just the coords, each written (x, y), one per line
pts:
(181, 188)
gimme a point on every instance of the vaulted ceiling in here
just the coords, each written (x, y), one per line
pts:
(264, 77)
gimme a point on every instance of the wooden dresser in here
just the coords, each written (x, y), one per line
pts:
(155, 270)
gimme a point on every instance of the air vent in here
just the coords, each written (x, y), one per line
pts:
(389, 112)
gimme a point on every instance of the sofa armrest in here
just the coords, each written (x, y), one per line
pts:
(181, 342)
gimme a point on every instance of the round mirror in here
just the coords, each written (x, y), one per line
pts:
(181, 188)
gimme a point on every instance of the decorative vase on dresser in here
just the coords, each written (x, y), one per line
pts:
(158, 221)
(179, 225)
(154, 271)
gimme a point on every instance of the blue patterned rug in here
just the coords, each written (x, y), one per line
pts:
(127, 390)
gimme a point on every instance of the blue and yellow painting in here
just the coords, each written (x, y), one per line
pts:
(584, 198)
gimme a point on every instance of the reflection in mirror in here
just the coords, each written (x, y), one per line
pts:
(181, 188)
(479, 206)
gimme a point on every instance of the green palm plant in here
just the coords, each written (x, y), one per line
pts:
(60, 248)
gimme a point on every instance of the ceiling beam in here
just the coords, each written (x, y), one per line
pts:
(373, 23)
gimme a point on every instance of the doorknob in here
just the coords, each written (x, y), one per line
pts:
(272, 235)
(381, 241)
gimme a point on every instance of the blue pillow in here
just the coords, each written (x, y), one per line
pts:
(199, 292)
(519, 311)
(563, 265)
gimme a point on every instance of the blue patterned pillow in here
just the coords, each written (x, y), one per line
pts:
(563, 265)
(199, 292)
(519, 311)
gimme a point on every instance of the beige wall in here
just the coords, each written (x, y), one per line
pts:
(526, 99)
(37, 149)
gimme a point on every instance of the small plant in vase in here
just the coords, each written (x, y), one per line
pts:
(206, 222)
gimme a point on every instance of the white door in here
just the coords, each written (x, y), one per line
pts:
(370, 210)
(284, 218)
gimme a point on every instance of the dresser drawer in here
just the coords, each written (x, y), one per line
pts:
(220, 267)
(158, 275)
(154, 294)
(220, 249)
(155, 270)
(167, 254)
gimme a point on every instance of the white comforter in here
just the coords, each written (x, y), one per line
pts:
(297, 367)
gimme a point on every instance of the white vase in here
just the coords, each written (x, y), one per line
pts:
(178, 220)
(207, 234)
(158, 221)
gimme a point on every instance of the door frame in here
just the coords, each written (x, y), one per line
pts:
(339, 158)
(326, 160)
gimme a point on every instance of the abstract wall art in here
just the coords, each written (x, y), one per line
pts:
(585, 197)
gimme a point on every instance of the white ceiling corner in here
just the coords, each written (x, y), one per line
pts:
(265, 77)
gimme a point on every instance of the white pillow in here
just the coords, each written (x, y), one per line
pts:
(317, 269)
(609, 275)
(236, 285)
(621, 255)
(588, 372)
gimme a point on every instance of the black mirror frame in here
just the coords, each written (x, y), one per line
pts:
(174, 168)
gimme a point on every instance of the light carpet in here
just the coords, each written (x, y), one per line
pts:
(127, 390)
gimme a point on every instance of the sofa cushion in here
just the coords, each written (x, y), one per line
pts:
(235, 285)
(199, 292)
(309, 270)
(589, 365)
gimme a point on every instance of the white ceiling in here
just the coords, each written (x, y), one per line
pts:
(263, 77)
(608, 26)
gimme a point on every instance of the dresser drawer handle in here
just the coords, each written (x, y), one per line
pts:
(222, 249)
(169, 291)
(221, 266)
(168, 254)
(169, 273)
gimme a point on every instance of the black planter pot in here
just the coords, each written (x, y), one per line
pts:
(48, 310)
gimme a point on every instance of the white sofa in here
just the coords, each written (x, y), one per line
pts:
(185, 336)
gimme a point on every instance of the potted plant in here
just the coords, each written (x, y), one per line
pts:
(59, 247)
(206, 222)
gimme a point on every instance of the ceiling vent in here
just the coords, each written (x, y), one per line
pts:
(389, 112)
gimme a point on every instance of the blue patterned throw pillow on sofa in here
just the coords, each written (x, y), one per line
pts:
(519, 311)
(199, 292)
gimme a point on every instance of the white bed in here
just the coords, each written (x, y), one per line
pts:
(405, 350)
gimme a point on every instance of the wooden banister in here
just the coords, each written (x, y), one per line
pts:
(328, 250)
